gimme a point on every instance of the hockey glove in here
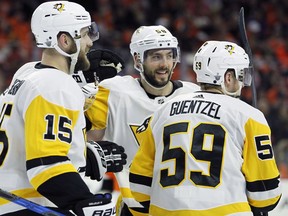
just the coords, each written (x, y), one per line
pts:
(104, 64)
(115, 156)
(99, 205)
(96, 165)
(102, 157)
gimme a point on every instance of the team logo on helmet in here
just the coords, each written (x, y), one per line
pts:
(59, 7)
(230, 49)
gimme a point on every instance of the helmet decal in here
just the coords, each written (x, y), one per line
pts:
(217, 77)
(59, 7)
(230, 49)
(48, 43)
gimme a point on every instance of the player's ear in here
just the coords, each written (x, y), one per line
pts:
(66, 43)
(62, 39)
(229, 76)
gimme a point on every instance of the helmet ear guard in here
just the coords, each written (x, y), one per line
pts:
(214, 58)
(137, 62)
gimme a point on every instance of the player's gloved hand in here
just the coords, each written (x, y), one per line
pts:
(115, 156)
(104, 64)
(101, 204)
(96, 165)
(102, 157)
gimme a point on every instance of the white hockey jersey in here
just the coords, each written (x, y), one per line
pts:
(206, 154)
(123, 107)
(42, 134)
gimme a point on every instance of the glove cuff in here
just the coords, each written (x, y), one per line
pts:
(84, 78)
(99, 205)
(96, 164)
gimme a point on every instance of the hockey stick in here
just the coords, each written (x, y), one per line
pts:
(247, 48)
(28, 204)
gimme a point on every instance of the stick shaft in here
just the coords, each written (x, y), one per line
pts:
(28, 204)
(247, 48)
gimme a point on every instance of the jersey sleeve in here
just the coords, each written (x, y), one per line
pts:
(97, 114)
(259, 167)
(141, 170)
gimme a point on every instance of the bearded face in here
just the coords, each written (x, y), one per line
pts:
(85, 45)
(158, 67)
(83, 63)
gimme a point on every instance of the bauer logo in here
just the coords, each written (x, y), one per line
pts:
(106, 212)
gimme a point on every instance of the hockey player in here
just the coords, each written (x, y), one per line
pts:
(123, 105)
(208, 153)
(43, 153)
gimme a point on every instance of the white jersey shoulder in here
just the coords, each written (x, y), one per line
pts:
(53, 85)
(123, 84)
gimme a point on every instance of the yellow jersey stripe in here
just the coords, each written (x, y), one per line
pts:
(50, 173)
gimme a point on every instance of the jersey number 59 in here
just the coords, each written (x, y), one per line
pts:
(213, 155)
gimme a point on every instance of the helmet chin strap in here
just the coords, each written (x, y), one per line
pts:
(74, 56)
(235, 94)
